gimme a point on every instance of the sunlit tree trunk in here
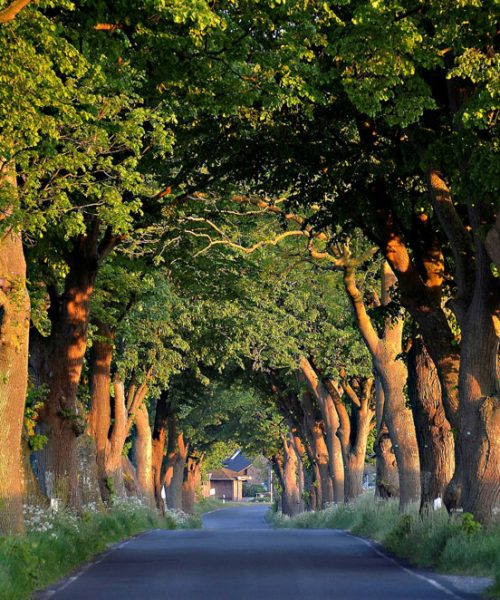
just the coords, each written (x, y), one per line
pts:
(290, 485)
(300, 452)
(354, 431)
(421, 291)
(331, 425)
(62, 419)
(143, 452)
(99, 418)
(386, 353)
(14, 334)
(314, 428)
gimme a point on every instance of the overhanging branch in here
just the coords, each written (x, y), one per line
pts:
(10, 12)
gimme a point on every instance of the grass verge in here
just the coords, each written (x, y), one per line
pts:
(459, 546)
(208, 504)
(59, 542)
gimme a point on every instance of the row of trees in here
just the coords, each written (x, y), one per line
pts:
(189, 188)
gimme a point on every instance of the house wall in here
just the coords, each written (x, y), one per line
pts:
(237, 491)
(221, 488)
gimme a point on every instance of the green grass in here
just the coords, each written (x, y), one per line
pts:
(60, 542)
(208, 504)
(459, 545)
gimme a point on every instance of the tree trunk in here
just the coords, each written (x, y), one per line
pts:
(62, 418)
(353, 432)
(291, 493)
(176, 461)
(331, 424)
(386, 351)
(480, 394)
(14, 334)
(32, 493)
(387, 478)
(129, 477)
(99, 417)
(315, 432)
(113, 469)
(143, 451)
(300, 452)
(191, 477)
(399, 421)
(159, 439)
(277, 467)
(434, 436)
(421, 294)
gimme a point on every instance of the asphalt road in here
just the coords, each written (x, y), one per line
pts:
(237, 556)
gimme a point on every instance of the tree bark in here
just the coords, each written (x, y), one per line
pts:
(331, 424)
(480, 391)
(434, 436)
(386, 351)
(14, 335)
(99, 417)
(387, 478)
(32, 494)
(421, 294)
(62, 418)
(159, 440)
(314, 429)
(293, 411)
(353, 432)
(291, 493)
(191, 480)
(129, 477)
(143, 452)
(300, 452)
(176, 461)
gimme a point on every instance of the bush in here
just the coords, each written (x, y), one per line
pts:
(57, 542)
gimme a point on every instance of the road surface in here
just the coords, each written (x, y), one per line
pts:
(237, 556)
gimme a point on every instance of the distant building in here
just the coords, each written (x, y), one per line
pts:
(238, 463)
(227, 482)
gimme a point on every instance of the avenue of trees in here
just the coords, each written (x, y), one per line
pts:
(269, 225)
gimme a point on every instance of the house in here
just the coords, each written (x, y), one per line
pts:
(238, 463)
(226, 484)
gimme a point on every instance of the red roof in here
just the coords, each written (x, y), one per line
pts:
(224, 475)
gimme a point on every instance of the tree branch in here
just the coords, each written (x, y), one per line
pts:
(108, 26)
(348, 389)
(10, 12)
(247, 250)
(364, 322)
(459, 238)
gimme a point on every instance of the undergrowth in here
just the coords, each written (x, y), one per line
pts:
(57, 542)
(458, 545)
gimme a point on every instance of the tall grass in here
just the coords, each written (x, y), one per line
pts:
(458, 545)
(56, 543)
